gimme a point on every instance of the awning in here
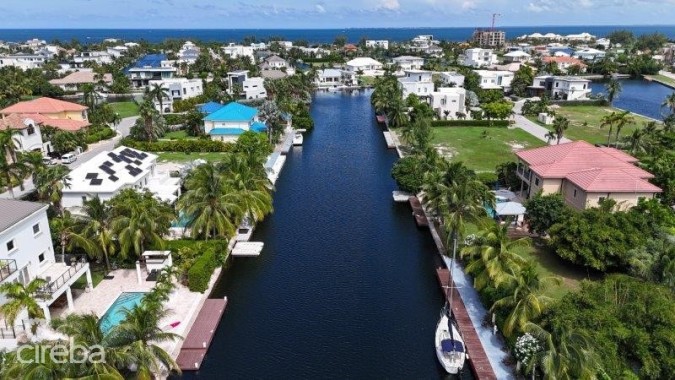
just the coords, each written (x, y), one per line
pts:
(509, 209)
(449, 345)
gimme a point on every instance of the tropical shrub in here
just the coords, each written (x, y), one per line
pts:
(408, 175)
(469, 123)
(186, 145)
(543, 211)
(200, 273)
(174, 119)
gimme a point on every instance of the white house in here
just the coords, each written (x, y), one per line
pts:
(177, 89)
(188, 53)
(254, 88)
(27, 253)
(108, 173)
(117, 51)
(452, 79)
(516, 56)
(561, 88)
(27, 137)
(329, 78)
(490, 79)
(382, 44)
(604, 42)
(100, 57)
(274, 62)
(418, 82)
(448, 101)
(367, 65)
(150, 67)
(235, 51)
(478, 57)
(407, 62)
(231, 120)
(23, 61)
(589, 54)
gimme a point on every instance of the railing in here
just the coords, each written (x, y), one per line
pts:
(55, 285)
(7, 268)
(10, 332)
(524, 173)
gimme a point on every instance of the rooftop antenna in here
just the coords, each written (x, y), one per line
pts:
(494, 18)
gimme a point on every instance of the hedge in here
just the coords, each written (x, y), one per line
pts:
(185, 146)
(469, 123)
(96, 135)
(201, 271)
(174, 118)
(597, 102)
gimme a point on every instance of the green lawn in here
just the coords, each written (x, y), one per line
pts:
(176, 135)
(184, 157)
(96, 278)
(482, 148)
(662, 78)
(585, 123)
(125, 109)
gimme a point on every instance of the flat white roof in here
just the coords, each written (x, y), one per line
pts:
(363, 61)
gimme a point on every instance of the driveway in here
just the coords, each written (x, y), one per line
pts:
(94, 149)
(531, 127)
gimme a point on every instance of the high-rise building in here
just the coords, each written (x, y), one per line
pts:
(489, 37)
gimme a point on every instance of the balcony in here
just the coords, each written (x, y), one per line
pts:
(524, 173)
(11, 332)
(59, 275)
(7, 268)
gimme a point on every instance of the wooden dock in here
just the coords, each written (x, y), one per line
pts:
(480, 364)
(198, 339)
(390, 141)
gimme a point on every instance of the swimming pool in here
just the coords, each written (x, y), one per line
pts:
(115, 313)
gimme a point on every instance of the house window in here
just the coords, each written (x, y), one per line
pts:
(30, 130)
(584, 87)
(41, 257)
(536, 181)
(557, 83)
(575, 193)
(84, 198)
(11, 246)
(36, 228)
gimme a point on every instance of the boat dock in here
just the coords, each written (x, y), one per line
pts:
(400, 196)
(480, 364)
(418, 212)
(247, 249)
(389, 139)
(198, 340)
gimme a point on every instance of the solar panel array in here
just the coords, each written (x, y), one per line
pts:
(132, 158)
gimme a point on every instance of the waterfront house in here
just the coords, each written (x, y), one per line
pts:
(176, 89)
(74, 81)
(584, 174)
(490, 79)
(407, 62)
(589, 54)
(478, 57)
(564, 62)
(109, 172)
(329, 78)
(50, 112)
(560, 87)
(452, 79)
(447, 102)
(232, 120)
(150, 67)
(27, 253)
(254, 88)
(27, 137)
(417, 82)
(365, 65)
(516, 56)
(274, 62)
(382, 44)
(236, 51)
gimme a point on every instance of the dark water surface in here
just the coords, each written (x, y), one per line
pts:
(345, 286)
(639, 96)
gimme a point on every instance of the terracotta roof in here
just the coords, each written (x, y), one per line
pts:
(80, 77)
(589, 167)
(69, 125)
(43, 106)
(571, 60)
(14, 121)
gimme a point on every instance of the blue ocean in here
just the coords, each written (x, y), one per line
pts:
(314, 36)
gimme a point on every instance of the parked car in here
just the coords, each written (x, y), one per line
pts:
(68, 158)
(48, 160)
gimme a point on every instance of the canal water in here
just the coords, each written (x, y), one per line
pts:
(345, 287)
(638, 96)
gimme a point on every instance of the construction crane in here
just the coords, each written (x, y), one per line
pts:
(494, 18)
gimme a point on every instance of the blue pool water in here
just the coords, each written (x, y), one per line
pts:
(115, 313)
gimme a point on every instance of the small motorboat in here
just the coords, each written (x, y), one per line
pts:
(298, 139)
(450, 348)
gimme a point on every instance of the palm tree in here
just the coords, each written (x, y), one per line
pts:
(149, 120)
(193, 123)
(635, 141)
(49, 183)
(210, 202)
(98, 229)
(609, 120)
(493, 256)
(622, 120)
(398, 114)
(19, 297)
(12, 173)
(157, 92)
(9, 144)
(560, 125)
(137, 336)
(250, 183)
(528, 300)
(70, 232)
(613, 88)
(137, 230)
(669, 102)
(89, 95)
(567, 354)
(550, 136)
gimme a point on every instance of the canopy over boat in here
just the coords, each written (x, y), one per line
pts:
(450, 345)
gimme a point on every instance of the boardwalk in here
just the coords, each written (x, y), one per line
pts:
(480, 365)
(198, 340)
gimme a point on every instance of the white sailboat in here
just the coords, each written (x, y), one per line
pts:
(450, 348)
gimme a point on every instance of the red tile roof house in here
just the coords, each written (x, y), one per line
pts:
(584, 174)
(27, 135)
(565, 63)
(50, 112)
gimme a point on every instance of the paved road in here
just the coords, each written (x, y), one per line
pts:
(530, 127)
(122, 131)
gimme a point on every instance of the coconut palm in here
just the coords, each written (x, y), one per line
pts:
(493, 256)
(138, 335)
(527, 301)
(398, 114)
(669, 102)
(622, 119)
(157, 92)
(89, 95)
(12, 173)
(9, 144)
(70, 229)
(149, 122)
(250, 183)
(609, 121)
(49, 183)
(138, 230)
(560, 125)
(636, 141)
(210, 202)
(19, 297)
(193, 123)
(98, 230)
(567, 354)
(613, 88)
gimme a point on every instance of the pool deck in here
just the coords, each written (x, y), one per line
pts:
(198, 340)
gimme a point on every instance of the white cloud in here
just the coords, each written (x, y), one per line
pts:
(392, 5)
(320, 8)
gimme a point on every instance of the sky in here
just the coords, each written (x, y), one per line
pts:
(298, 14)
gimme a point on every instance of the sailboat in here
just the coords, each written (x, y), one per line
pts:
(450, 348)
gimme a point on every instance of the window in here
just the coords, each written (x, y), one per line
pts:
(575, 193)
(41, 257)
(30, 130)
(11, 246)
(536, 181)
(557, 83)
(84, 198)
(36, 228)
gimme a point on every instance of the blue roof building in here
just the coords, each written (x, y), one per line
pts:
(228, 122)
(149, 67)
(210, 107)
